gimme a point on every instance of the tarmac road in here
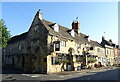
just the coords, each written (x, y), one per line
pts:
(104, 73)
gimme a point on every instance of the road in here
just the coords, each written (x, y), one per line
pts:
(106, 73)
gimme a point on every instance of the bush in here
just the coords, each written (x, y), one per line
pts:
(91, 60)
(61, 61)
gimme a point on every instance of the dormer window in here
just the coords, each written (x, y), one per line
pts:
(89, 39)
(55, 27)
(72, 33)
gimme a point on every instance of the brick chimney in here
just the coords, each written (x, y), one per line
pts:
(76, 26)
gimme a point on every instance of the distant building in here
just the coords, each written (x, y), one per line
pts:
(99, 51)
(109, 51)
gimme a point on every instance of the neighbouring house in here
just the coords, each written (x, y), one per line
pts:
(116, 54)
(109, 50)
(99, 51)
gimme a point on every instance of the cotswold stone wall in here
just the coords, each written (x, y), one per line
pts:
(30, 54)
(37, 48)
(52, 68)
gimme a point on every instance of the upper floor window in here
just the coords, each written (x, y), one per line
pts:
(78, 45)
(72, 33)
(107, 52)
(98, 49)
(91, 48)
(63, 43)
(57, 46)
(19, 47)
(55, 27)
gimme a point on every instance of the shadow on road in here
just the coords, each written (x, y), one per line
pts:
(111, 75)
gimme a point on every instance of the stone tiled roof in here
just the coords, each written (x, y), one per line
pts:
(95, 43)
(18, 38)
(64, 32)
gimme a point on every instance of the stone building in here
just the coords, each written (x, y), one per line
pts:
(109, 51)
(44, 45)
(99, 51)
(48, 47)
(116, 54)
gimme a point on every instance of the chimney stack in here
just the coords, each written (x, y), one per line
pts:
(39, 13)
(103, 38)
(76, 25)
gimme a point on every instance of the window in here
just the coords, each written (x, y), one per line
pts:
(57, 46)
(99, 59)
(91, 48)
(78, 45)
(53, 60)
(73, 33)
(63, 43)
(98, 49)
(19, 47)
(110, 52)
(56, 27)
(107, 52)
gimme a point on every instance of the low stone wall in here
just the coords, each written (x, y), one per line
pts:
(52, 68)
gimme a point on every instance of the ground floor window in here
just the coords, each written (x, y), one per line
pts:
(59, 59)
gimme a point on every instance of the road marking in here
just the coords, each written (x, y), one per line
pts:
(23, 74)
(35, 76)
(30, 75)
(26, 74)
(61, 76)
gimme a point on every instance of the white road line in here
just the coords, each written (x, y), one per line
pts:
(61, 76)
(35, 76)
(30, 75)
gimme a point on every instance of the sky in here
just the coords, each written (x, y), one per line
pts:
(95, 17)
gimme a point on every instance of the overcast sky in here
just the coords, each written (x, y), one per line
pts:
(95, 17)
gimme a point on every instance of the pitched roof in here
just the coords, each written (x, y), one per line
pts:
(110, 43)
(64, 32)
(18, 38)
(95, 43)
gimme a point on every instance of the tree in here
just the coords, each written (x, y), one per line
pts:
(4, 34)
